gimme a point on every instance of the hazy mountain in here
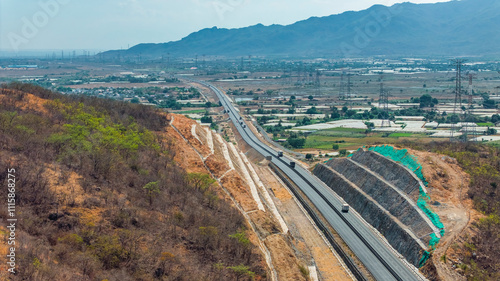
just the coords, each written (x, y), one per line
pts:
(468, 27)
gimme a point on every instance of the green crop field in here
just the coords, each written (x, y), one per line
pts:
(486, 124)
(407, 135)
(325, 140)
(399, 135)
(197, 111)
(342, 132)
(351, 130)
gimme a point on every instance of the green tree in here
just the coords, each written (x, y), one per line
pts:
(351, 113)
(207, 120)
(109, 251)
(335, 113)
(344, 109)
(152, 189)
(296, 142)
(491, 131)
(495, 118)
(241, 237)
(426, 101)
(335, 146)
(241, 271)
(310, 97)
(200, 181)
(312, 110)
(488, 103)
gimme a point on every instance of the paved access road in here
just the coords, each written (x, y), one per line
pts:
(382, 262)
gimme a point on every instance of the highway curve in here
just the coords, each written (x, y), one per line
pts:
(376, 255)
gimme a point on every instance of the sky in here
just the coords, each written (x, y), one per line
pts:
(119, 24)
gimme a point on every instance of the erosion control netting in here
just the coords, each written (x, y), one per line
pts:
(403, 157)
(411, 162)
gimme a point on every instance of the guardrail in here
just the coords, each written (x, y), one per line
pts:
(347, 222)
(345, 257)
(271, 141)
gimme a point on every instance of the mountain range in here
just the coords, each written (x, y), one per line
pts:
(467, 27)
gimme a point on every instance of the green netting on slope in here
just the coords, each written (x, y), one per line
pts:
(403, 157)
(423, 204)
(425, 256)
(352, 154)
(433, 243)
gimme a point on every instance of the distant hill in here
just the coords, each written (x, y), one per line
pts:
(467, 27)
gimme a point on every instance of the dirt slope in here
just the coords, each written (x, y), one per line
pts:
(282, 258)
(448, 186)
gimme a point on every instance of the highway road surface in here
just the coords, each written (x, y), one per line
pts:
(382, 262)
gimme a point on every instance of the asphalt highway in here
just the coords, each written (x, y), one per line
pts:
(382, 262)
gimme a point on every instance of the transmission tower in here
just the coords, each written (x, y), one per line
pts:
(471, 88)
(349, 84)
(299, 75)
(458, 83)
(458, 92)
(342, 87)
(345, 88)
(383, 103)
(317, 82)
(470, 131)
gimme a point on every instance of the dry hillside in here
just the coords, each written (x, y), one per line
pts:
(107, 190)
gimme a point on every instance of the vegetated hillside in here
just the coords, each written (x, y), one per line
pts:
(476, 253)
(99, 196)
(467, 27)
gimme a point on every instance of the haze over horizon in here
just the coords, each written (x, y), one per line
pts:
(119, 24)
